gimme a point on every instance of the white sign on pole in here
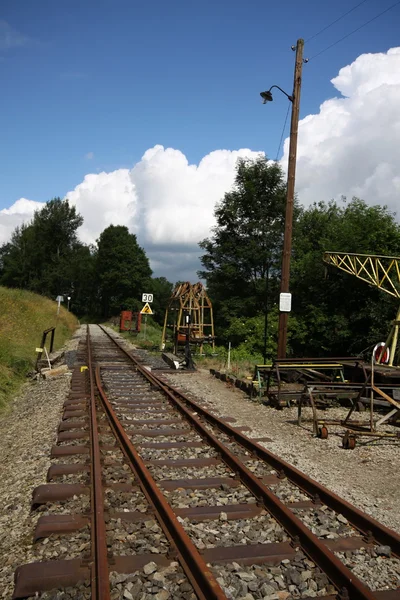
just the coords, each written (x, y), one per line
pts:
(285, 302)
(147, 297)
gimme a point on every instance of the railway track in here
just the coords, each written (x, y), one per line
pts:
(152, 496)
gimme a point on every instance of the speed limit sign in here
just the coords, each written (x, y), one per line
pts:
(147, 297)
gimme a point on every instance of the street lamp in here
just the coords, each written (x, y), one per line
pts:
(285, 297)
(69, 298)
(267, 96)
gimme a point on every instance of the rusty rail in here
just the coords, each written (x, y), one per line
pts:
(340, 575)
(100, 585)
(199, 575)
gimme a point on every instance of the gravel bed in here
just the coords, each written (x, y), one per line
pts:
(76, 504)
(325, 523)
(287, 491)
(296, 578)
(377, 571)
(182, 498)
(27, 431)
(136, 538)
(262, 529)
(177, 453)
(118, 474)
(189, 472)
(153, 581)
(142, 439)
(81, 592)
(363, 476)
(125, 501)
(63, 547)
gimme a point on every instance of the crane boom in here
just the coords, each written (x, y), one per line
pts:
(382, 272)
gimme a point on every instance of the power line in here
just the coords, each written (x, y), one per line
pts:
(283, 133)
(336, 21)
(358, 29)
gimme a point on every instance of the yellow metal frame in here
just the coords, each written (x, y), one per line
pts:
(192, 299)
(382, 272)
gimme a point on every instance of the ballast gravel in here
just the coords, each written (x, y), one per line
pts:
(366, 476)
(28, 429)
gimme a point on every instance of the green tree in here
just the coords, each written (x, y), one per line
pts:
(39, 254)
(341, 314)
(123, 270)
(242, 257)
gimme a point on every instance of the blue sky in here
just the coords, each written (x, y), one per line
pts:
(116, 78)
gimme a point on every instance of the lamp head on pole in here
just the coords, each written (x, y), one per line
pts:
(266, 96)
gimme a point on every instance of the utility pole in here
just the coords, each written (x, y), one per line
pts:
(287, 240)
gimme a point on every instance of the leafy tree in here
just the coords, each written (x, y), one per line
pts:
(123, 270)
(341, 314)
(242, 258)
(38, 256)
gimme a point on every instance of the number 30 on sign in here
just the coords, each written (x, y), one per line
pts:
(147, 297)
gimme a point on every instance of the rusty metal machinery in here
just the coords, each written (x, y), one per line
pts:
(382, 272)
(189, 314)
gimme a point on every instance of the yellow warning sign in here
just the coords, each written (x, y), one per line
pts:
(39, 350)
(146, 310)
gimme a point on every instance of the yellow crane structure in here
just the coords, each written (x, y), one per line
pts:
(189, 313)
(382, 272)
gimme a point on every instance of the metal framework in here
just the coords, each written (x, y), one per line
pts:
(191, 301)
(382, 272)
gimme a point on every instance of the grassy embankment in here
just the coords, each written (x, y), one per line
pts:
(241, 364)
(23, 317)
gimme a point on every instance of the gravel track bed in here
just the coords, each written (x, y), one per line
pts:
(296, 578)
(63, 547)
(81, 592)
(118, 474)
(176, 454)
(152, 582)
(262, 529)
(27, 431)
(76, 504)
(325, 523)
(125, 501)
(72, 459)
(378, 572)
(136, 538)
(287, 491)
(364, 476)
(190, 472)
(182, 498)
(141, 439)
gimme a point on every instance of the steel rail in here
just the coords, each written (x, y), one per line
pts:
(100, 580)
(337, 572)
(193, 564)
(363, 522)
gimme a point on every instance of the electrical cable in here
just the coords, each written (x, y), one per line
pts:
(355, 30)
(283, 132)
(336, 21)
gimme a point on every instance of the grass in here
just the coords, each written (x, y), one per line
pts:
(23, 317)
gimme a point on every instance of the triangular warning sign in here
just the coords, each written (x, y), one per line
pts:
(146, 310)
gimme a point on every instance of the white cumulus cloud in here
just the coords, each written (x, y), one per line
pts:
(20, 212)
(351, 147)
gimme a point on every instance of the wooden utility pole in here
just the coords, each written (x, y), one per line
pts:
(287, 240)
